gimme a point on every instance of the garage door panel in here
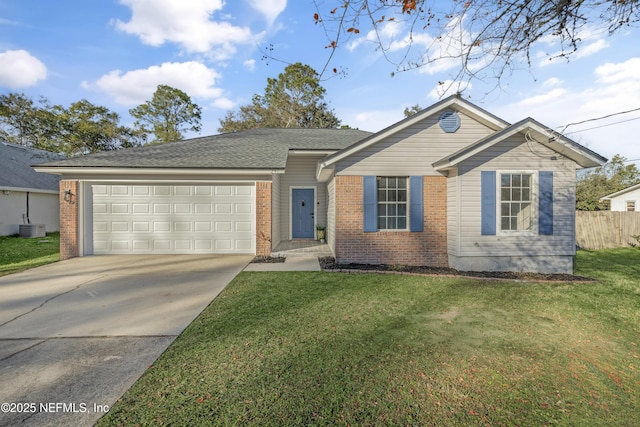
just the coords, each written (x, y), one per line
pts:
(173, 219)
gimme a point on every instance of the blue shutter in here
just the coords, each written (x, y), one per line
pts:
(488, 202)
(415, 204)
(545, 204)
(370, 208)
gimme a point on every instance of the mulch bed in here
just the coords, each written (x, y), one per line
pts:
(329, 264)
(268, 259)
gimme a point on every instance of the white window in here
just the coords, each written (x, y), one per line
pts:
(392, 202)
(516, 202)
(631, 206)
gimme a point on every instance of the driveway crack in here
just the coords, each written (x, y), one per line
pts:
(75, 288)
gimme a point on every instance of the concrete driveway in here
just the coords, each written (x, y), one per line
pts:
(75, 335)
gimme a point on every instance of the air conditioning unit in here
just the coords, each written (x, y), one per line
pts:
(32, 230)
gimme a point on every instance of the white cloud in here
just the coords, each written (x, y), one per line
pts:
(186, 23)
(137, 86)
(269, 8)
(614, 88)
(436, 55)
(552, 82)
(224, 104)
(447, 88)
(18, 68)
(591, 42)
(249, 64)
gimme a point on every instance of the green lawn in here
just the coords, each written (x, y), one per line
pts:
(365, 349)
(18, 254)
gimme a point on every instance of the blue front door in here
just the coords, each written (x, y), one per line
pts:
(302, 212)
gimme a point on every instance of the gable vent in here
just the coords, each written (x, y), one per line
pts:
(450, 121)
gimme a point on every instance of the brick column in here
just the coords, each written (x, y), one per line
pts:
(263, 218)
(69, 233)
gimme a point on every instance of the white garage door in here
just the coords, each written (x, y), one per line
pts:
(165, 219)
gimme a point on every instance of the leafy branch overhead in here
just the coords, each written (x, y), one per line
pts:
(477, 38)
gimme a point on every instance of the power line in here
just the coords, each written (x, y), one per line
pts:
(602, 126)
(598, 118)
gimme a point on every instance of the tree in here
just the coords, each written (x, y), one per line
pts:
(475, 35)
(87, 128)
(25, 123)
(611, 177)
(169, 113)
(410, 111)
(295, 99)
(82, 128)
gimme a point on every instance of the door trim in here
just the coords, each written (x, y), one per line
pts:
(315, 201)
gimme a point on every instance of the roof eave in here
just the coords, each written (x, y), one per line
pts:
(620, 193)
(114, 171)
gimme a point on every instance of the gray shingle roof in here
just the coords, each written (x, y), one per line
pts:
(250, 149)
(16, 170)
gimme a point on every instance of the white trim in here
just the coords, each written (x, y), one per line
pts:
(105, 170)
(296, 152)
(407, 203)
(619, 193)
(315, 204)
(29, 190)
(534, 203)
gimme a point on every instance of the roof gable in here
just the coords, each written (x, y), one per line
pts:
(451, 103)
(537, 132)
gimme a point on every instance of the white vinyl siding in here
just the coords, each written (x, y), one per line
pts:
(166, 219)
(509, 155)
(619, 203)
(413, 150)
(44, 208)
(301, 173)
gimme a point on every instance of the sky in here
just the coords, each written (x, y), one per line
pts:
(115, 53)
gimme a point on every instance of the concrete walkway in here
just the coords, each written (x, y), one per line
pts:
(291, 263)
(75, 335)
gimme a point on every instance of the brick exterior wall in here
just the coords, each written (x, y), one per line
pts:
(263, 218)
(428, 248)
(69, 233)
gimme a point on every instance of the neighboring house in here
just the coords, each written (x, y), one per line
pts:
(27, 196)
(627, 200)
(452, 185)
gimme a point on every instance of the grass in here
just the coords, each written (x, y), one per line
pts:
(298, 348)
(18, 254)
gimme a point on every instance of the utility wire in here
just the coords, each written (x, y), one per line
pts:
(598, 118)
(602, 126)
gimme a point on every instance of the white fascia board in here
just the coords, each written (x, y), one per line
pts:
(28, 190)
(311, 152)
(181, 172)
(620, 193)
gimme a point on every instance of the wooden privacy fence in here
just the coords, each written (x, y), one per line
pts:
(606, 229)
